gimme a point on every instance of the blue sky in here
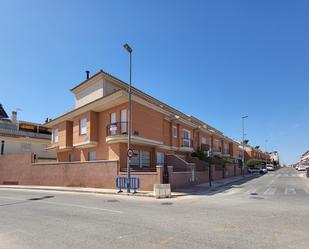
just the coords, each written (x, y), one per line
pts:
(216, 60)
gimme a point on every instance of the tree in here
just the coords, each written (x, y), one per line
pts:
(253, 162)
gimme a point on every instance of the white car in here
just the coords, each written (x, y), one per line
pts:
(269, 167)
(301, 167)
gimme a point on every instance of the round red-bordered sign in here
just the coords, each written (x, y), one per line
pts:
(130, 153)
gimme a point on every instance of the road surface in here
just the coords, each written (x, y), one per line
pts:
(271, 211)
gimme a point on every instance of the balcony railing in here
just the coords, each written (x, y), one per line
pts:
(11, 132)
(118, 128)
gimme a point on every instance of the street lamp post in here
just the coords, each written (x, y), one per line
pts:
(129, 49)
(243, 145)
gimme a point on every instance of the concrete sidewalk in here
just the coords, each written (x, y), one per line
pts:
(177, 193)
(204, 188)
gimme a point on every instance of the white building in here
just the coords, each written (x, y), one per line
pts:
(21, 136)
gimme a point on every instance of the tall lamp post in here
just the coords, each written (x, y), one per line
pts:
(243, 145)
(129, 49)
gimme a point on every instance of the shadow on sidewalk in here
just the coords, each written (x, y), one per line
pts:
(216, 188)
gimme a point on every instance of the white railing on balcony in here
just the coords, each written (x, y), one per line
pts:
(12, 132)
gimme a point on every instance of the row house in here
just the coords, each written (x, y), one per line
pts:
(97, 127)
(256, 153)
(304, 159)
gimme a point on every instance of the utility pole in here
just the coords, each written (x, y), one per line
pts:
(129, 49)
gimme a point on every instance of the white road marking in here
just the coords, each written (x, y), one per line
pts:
(270, 191)
(289, 190)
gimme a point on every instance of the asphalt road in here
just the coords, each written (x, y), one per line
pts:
(271, 211)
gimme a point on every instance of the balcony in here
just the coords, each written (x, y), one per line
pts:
(186, 144)
(118, 133)
(18, 133)
(116, 129)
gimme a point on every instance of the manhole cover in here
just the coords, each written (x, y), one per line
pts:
(166, 203)
(112, 201)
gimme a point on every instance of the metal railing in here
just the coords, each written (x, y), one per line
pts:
(11, 132)
(138, 169)
(118, 128)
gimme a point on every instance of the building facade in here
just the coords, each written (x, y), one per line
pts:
(18, 136)
(97, 128)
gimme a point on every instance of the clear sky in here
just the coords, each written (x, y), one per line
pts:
(217, 60)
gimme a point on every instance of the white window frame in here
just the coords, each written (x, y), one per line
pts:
(92, 155)
(204, 140)
(226, 148)
(174, 130)
(160, 158)
(123, 116)
(83, 126)
(139, 155)
(113, 123)
(186, 141)
(55, 135)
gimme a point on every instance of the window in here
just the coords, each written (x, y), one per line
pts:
(71, 158)
(217, 147)
(226, 149)
(204, 140)
(55, 135)
(160, 158)
(91, 156)
(186, 138)
(174, 131)
(145, 159)
(83, 126)
(135, 159)
(113, 127)
(123, 121)
(140, 159)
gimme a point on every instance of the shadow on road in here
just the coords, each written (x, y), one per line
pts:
(28, 200)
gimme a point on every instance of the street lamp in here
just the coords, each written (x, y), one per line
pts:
(243, 144)
(129, 49)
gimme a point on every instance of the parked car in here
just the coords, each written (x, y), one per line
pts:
(270, 167)
(263, 170)
(256, 170)
(301, 167)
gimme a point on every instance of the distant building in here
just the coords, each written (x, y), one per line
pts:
(304, 159)
(255, 153)
(18, 136)
(274, 157)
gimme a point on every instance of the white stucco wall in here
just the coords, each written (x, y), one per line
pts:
(93, 91)
(14, 145)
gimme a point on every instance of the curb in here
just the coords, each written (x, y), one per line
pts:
(77, 191)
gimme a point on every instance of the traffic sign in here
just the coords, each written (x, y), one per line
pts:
(130, 153)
